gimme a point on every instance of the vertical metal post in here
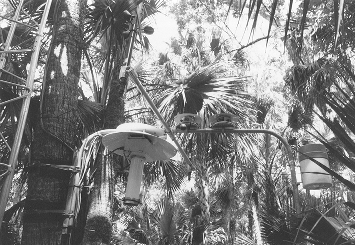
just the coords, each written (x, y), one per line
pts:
(5, 190)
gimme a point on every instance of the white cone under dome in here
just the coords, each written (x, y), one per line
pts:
(140, 143)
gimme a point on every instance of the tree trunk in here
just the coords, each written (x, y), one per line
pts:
(254, 224)
(114, 114)
(98, 229)
(100, 209)
(53, 144)
(228, 212)
(201, 221)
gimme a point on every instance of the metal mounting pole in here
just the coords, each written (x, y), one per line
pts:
(5, 190)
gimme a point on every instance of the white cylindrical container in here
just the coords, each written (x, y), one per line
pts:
(313, 176)
(135, 176)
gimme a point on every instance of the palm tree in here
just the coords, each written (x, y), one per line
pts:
(109, 23)
(50, 126)
(54, 137)
(84, 111)
(206, 92)
(103, 168)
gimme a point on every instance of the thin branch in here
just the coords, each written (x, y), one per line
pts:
(247, 45)
(214, 21)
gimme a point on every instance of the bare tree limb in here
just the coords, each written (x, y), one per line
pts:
(247, 45)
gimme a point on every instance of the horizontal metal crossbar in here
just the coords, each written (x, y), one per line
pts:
(15, 84)
(14, 99)
(58, 211)
(18, 22)
(4, 164)
(15, 51)
(10, 73)
(314, 173)
(61, 167)
(26, 41)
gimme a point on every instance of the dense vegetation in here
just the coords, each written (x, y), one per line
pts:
(274, 65)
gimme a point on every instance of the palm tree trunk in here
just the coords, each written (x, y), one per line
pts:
(53, 144)
(100, 208)
(201, 221)
(98, 228)
(254, 224)
(102, 197)
(114, 115)
(228, 213)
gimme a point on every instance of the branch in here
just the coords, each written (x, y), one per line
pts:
(247, 45)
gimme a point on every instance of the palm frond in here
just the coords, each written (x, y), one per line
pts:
(90, 115)
(174, 173)
(223, 195)
(207, 91)
(150, 8)
(272, 15)
(254, 7)
(258, 5)
(275, 229)
(263, 106)
(91, 79)
(295, 117)
(107, 16)
(190, 198)
(244, 240)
